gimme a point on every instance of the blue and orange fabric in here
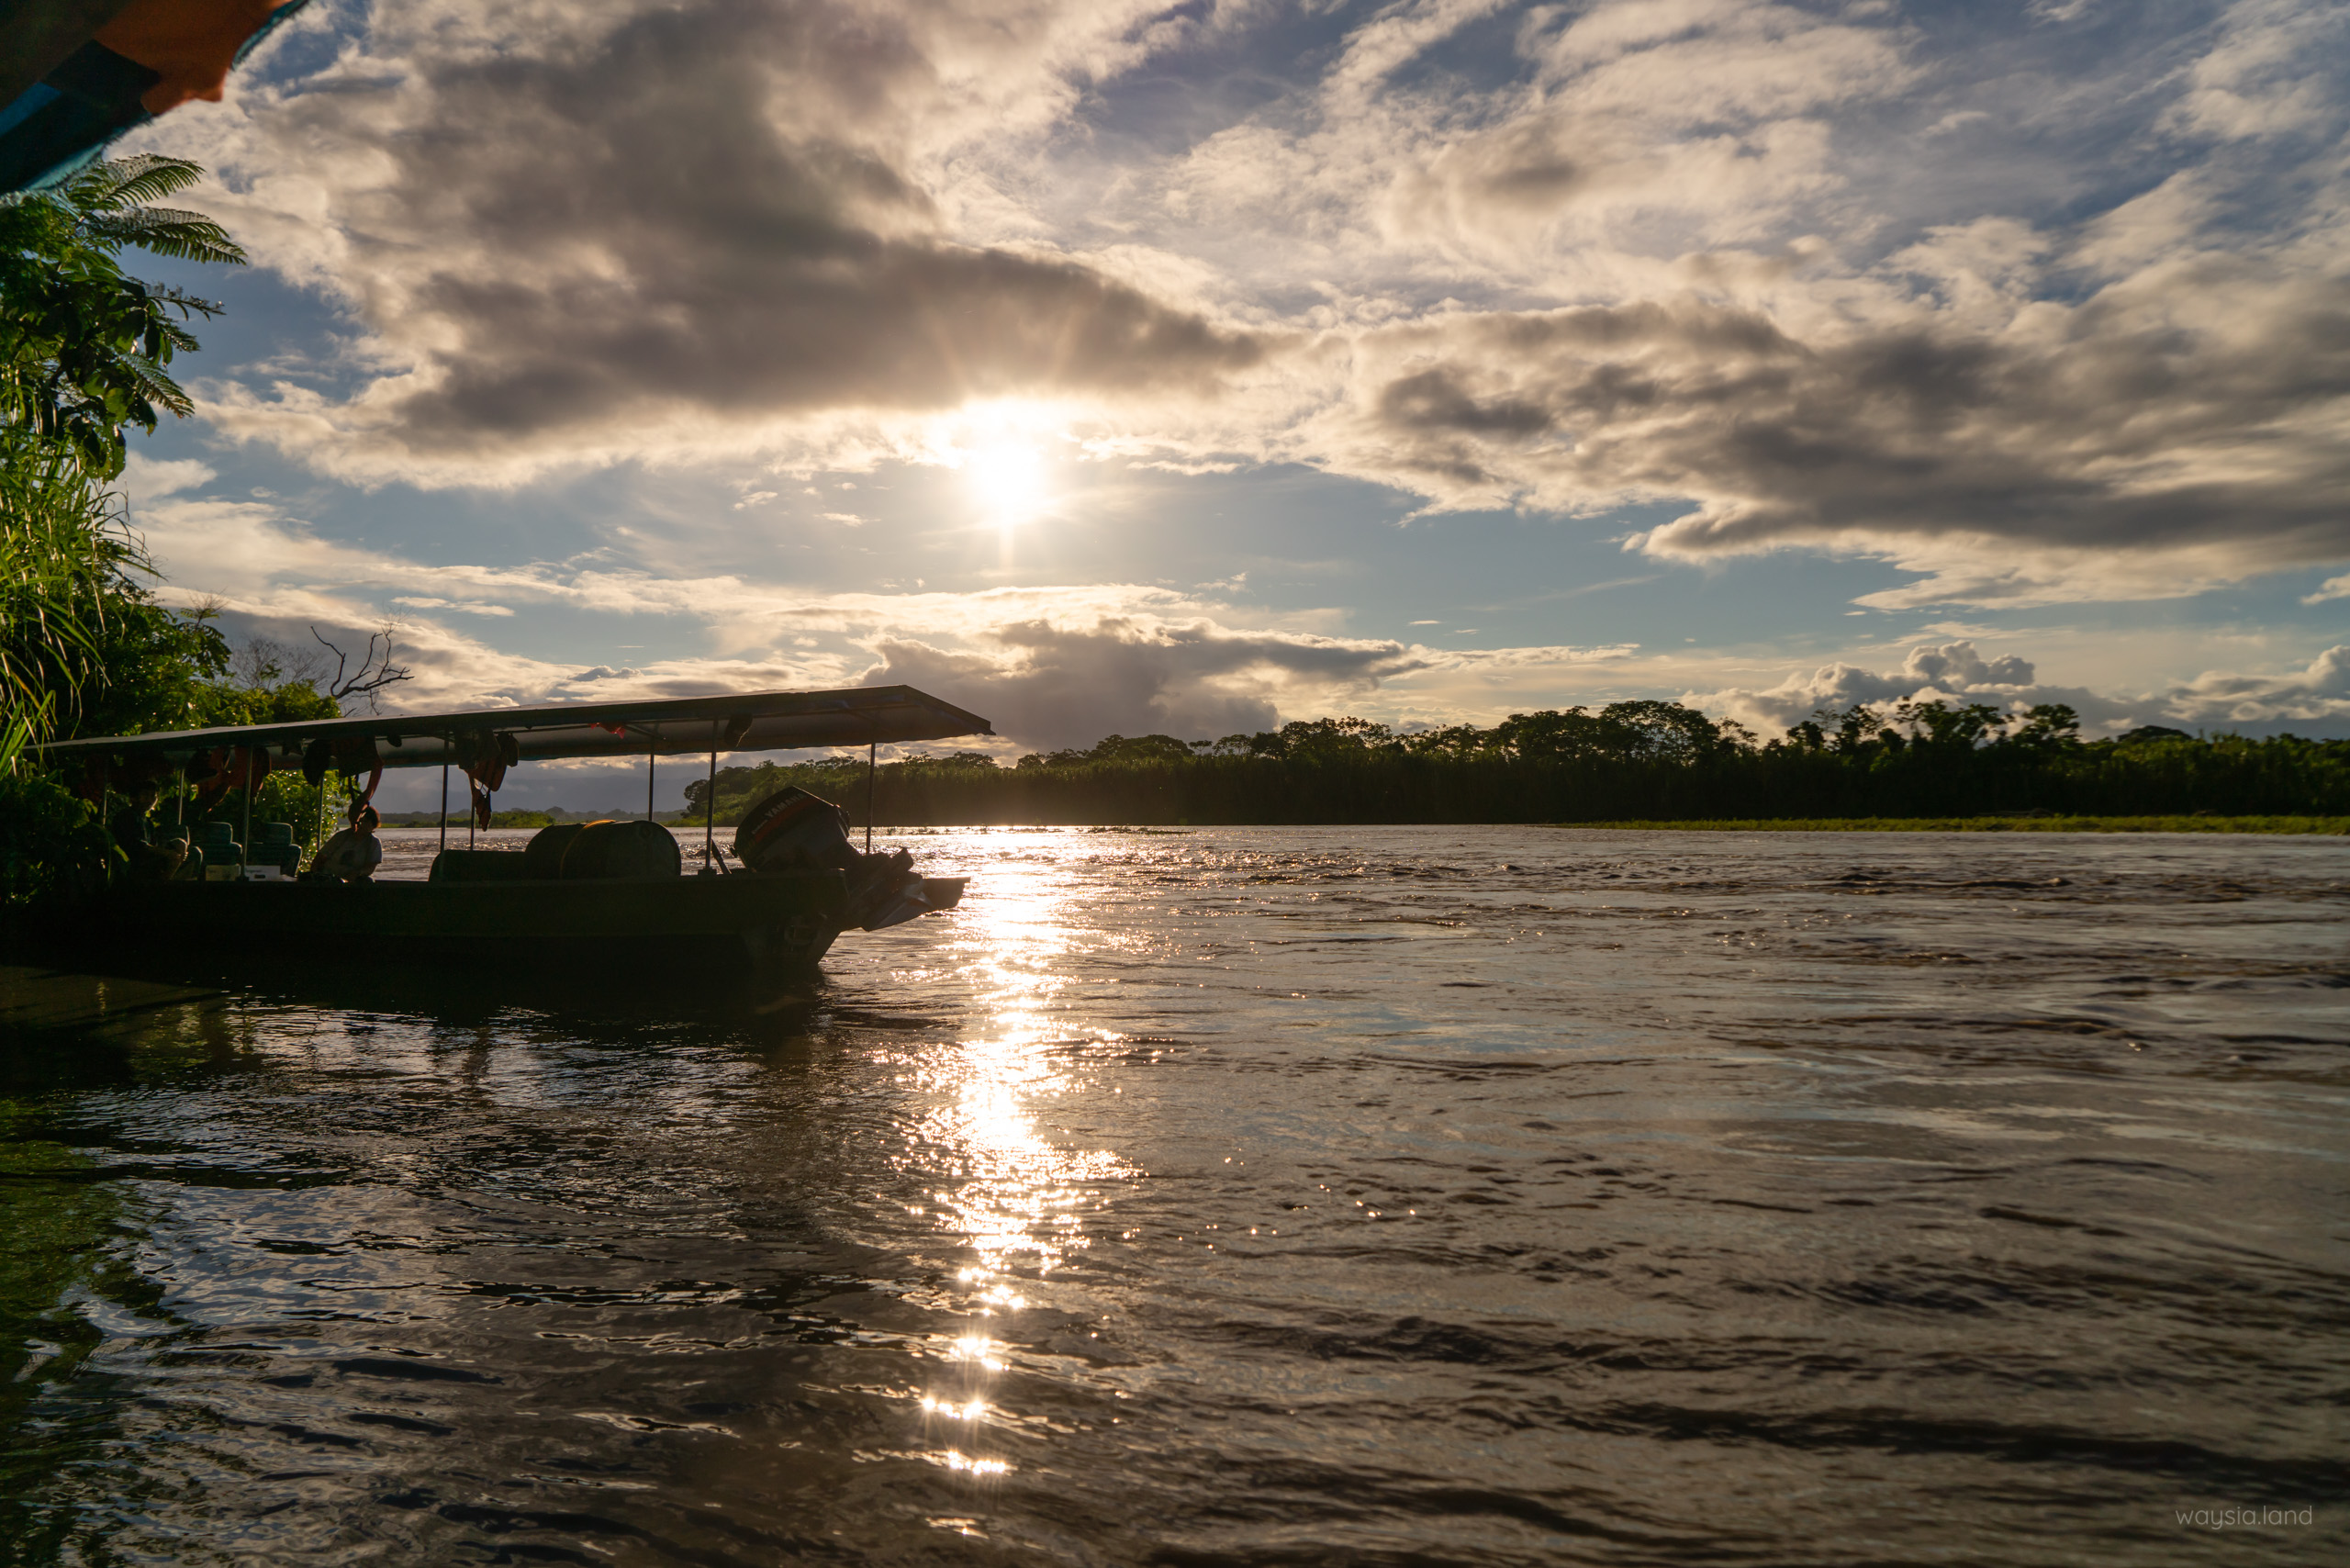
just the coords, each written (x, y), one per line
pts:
(483, 760)
(153, 56)
(234, 768)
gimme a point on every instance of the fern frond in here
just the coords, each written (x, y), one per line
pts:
(159, 388)
(118, 183)
(167, 231)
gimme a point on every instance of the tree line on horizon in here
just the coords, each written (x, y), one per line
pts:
(1630, 761)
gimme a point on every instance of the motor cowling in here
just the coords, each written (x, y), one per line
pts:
(793, 831)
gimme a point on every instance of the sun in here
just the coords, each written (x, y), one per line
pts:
(1008, 481)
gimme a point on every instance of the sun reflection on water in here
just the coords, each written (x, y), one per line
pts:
(977, 1349)
(1016, 1198)
(1003, 1187)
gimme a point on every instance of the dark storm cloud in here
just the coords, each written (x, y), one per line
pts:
(2188, 409)
(704, 212)
(1055, 686)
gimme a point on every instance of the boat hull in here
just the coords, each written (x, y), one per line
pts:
(731, 922)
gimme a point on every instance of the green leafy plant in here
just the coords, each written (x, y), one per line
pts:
(62, 559)
(85, 348)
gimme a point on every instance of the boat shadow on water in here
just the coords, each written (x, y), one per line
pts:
(50, 991)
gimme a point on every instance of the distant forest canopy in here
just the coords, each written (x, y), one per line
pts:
(1630, 762)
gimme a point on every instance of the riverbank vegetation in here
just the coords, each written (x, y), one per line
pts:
(1630, 762)
(87, 646)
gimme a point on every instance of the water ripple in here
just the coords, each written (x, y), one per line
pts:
(1262, 1196)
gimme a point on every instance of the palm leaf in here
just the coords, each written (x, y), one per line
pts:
(159, 388)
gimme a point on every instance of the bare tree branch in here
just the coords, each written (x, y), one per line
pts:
(375, 671)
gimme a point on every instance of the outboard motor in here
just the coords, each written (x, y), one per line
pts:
(792, 830)
(885, 891)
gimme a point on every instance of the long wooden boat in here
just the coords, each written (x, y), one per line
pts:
(495, 908)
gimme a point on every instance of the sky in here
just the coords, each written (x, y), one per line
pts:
(1118, 367)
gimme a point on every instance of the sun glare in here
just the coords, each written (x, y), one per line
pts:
(1007, 479)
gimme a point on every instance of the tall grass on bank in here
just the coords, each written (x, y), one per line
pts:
(2227, 777)
(62, 555)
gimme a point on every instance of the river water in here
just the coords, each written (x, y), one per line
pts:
(1280, 1196)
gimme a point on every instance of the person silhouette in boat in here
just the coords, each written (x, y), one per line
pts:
(149, 854)
(352, 855)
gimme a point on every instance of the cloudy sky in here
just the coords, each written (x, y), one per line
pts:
(1124, 366)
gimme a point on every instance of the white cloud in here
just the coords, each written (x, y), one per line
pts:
(1064, 665)
(145, 478)
(464, 607)
(2317, 694)
(1721, 253)
(1048, 662)
(2276, 70)
(1956, 404)
(2331, 588)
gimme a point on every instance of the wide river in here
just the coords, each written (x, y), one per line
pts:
(1262, 1196)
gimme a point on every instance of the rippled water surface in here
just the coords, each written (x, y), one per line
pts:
(1240, 1195)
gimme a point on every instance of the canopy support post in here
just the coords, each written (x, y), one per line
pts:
(709, 815)
(444, 807)
(872, 751)
(652, 756)
(245, 846)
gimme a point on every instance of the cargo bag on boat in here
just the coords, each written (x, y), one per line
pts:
(634, 848)
(599, 851)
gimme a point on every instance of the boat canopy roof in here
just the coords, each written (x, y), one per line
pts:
(748, 720)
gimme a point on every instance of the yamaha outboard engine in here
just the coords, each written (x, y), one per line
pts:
(793, 831)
